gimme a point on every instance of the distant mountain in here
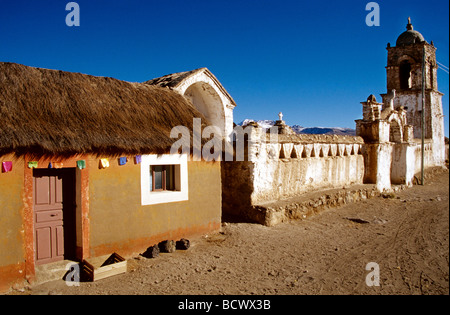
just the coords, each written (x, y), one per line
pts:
(324, 131)
(266, 124)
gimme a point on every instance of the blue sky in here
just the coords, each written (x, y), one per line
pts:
(313, 60)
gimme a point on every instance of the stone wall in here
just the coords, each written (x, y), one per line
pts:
(387, 164)
(302, 207)
(282, 170)
(237, 188)
(288, 166)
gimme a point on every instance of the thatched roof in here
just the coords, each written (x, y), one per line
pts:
(174, 79)
(49, 112)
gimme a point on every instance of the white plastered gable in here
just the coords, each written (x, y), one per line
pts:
(210, 98)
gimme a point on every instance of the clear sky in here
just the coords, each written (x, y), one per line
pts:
(313, 60)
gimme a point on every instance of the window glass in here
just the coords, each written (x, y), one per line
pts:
(170, 177)
(158, 177)
(151, 178)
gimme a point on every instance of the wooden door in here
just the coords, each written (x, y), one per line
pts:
(50, 198)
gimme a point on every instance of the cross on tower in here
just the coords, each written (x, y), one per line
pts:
(280, 115)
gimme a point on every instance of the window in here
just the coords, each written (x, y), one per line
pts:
(164, 179)
(405, 75)
(431, 77)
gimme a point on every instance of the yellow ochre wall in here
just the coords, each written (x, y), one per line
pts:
(118, 222)
(12, 256)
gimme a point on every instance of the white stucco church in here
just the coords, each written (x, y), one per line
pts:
(386, 151)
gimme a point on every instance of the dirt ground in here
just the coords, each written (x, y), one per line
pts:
(407, 235)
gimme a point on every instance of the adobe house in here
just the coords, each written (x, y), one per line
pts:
(86, 169)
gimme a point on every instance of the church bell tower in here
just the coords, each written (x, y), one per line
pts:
(404, 75)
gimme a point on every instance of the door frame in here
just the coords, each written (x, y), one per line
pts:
(82, 210)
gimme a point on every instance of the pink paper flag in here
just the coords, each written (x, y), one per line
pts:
(6, 166)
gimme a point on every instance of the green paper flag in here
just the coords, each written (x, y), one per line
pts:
(32, 164)
(81, 164)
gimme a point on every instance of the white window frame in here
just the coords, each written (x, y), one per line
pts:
(181, 192)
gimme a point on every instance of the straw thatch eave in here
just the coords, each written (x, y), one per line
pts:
(56, 113)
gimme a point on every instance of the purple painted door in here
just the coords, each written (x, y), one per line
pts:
(50, 196)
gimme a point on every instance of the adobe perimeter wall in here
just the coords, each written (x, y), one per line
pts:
(290, 166)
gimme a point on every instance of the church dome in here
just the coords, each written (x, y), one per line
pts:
(410, 36)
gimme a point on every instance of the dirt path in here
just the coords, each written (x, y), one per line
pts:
(407, 236)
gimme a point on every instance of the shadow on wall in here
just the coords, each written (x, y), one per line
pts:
(237, 189)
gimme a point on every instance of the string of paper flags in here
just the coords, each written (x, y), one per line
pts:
(7, 166)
